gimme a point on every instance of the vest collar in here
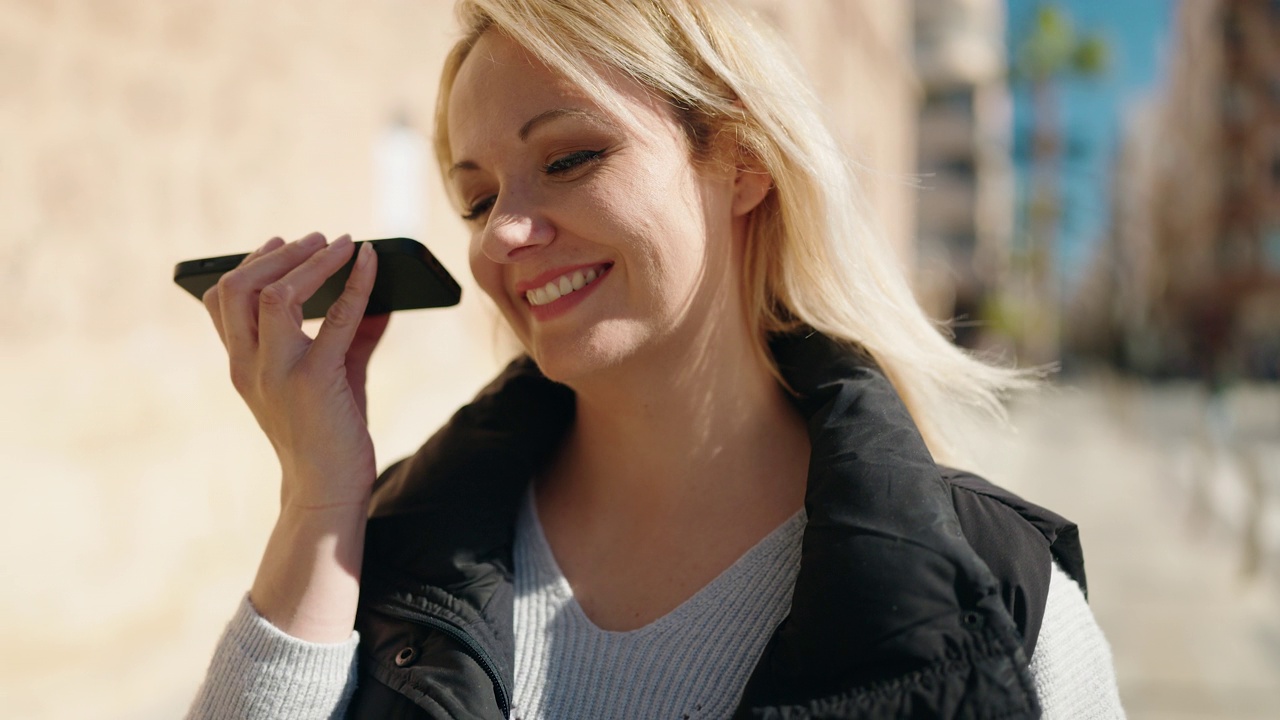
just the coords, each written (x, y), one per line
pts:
(887, 584)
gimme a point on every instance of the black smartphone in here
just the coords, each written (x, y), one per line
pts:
(409, 277)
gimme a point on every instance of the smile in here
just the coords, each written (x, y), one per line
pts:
(566, 284)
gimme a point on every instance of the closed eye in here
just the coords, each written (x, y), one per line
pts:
(571, 161)
(482, 206)
(559, 166)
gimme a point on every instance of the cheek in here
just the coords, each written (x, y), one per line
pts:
(487, 274)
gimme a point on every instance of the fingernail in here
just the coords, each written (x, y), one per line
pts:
(312, 240)
(363, 254)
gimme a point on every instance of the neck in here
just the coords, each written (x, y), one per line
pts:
(695, 424)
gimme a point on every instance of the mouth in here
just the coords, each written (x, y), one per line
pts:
(566, 284)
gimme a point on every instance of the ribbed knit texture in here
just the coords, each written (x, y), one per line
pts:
(567, 668)
(691, 663)
(259, 672)
(1072, 668)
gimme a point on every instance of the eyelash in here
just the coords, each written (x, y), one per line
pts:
(555, 167)
(571, 161)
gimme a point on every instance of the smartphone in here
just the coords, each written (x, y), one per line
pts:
(409, 277)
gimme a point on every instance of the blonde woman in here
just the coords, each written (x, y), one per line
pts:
(710, 489)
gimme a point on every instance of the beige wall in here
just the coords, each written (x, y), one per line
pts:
(858, 54)
(133, 134)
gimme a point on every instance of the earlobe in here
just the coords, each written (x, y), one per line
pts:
(749, 189)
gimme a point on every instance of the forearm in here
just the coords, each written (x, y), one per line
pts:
(308, 583)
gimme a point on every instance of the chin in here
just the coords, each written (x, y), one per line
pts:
(572, 360)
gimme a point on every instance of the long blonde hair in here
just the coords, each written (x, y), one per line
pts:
(813, 257)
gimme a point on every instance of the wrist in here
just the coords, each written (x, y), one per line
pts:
(311, 510)
(308, 584)
(315, 495)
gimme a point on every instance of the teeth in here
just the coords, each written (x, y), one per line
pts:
(561, 286)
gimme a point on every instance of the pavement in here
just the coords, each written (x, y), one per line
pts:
(1158, 479)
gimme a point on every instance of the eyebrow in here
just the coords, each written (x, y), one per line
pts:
(541, 118)
(556, 114)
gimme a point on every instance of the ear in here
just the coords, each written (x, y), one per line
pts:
(750, 186)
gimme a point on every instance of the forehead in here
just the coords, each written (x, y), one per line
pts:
(501, 85)
(500, 72)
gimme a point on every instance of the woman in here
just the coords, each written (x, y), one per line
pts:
(699, 495)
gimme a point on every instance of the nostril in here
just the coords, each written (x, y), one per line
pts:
(521, 251)
(509, 237)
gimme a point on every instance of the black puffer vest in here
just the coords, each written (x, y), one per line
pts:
(919, 595)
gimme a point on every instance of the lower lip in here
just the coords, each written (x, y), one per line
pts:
(556, 308)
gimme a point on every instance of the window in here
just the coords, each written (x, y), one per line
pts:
(400, 164)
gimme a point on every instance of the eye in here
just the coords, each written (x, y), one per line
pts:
(571, 161)
(482, 206)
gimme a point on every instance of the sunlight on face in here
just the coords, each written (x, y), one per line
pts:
(599, 239)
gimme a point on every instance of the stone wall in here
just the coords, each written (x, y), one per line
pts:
(136, 133)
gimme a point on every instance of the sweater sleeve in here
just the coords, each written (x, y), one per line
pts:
(1072, 667)
(260, 672)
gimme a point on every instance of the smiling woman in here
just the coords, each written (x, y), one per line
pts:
(553, 185)
(710, 489)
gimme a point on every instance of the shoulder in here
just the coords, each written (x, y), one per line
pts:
(1020, 542)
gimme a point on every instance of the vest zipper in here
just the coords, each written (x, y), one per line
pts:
(473, 648)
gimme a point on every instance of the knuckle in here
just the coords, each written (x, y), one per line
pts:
(229, 280)
(230, 284)
(342, 312)
(277, 294)
(242, 379)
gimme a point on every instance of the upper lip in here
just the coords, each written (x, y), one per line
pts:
(542, 279)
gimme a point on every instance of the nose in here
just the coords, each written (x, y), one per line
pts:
(515, 229)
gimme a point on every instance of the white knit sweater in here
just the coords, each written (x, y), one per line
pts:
(691, 663)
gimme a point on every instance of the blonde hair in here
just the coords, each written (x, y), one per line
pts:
(813, 257)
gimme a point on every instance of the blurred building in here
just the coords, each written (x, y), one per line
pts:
(858, 54)
(964, 211)
(1189, 280)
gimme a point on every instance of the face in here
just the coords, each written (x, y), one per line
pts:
(598, 237)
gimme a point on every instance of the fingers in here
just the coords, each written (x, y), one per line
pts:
(346, 315)
(280, 316)
(239, 291)
(211, 296)
(271, 245)
(257, 307)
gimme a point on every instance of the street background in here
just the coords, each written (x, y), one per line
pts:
(1091, 184)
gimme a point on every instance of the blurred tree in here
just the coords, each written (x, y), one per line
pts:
(1050, 51)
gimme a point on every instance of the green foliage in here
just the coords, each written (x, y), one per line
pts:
(1092, 56)
(1054, 48)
